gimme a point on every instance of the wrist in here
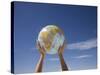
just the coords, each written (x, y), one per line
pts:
(42, 55)
(60, 54)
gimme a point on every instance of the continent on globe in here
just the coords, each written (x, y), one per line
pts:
(51, 38)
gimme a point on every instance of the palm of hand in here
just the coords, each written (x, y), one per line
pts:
(41, 49)
(61, 49)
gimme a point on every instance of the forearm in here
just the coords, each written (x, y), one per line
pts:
(40, 64)
(63, 64)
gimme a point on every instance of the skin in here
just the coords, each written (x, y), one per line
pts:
(62, 61)
(42, 56)
(40, 62)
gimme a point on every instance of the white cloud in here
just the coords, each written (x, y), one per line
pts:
(84, 45)
(83, 56)
(53, 59)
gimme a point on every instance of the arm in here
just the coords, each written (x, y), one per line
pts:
(62, 61)
(40, 62)
(63, 64)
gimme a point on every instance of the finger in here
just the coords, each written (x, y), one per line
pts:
(38, 45)
(43, 49)
(62, 48)
(59, 49)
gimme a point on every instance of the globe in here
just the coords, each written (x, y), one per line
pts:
(51, 38)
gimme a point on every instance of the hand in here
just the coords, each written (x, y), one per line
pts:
(61, 49)
(40, 62)
(62, 61)
(41, 49)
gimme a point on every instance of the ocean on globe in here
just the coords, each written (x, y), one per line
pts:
(51, 38)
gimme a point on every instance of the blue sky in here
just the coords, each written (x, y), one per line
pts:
(79, 24)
